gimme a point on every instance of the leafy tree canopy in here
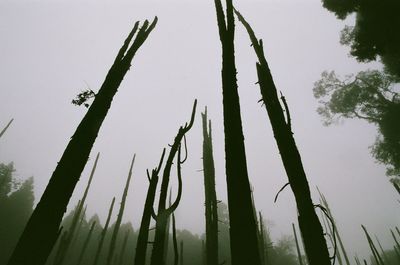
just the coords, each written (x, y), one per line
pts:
(370, 95)
(375, 32)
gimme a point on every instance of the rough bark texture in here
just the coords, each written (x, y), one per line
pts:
(211, 210)
(66, 239)
(103, 234)
(243, 228)
(310, 226)
(114, 236)
(41, 231)
(157, 255)
(143, 237)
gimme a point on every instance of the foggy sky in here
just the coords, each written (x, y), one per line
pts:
(51, 51)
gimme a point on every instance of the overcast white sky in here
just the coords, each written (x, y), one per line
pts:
(50, 50)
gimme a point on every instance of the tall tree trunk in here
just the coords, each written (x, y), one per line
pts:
(114, 236)
(103, 234)
(143, 237)
(5, 128)
(243, 229)
(211, 210)
(40, 233)
(310, 226)
(86, 243)
(157, 255)
(66, 241)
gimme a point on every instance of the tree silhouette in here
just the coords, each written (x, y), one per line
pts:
(141, 246)
(211, 208)
(375, 33)
(310, 226)
(114, 236)
(163, 212)
(243, 228)
(42, 229)
(369, 95)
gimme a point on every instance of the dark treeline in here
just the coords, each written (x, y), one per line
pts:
(235, 233)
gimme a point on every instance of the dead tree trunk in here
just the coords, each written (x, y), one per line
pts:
(211, 210)
(5, 128)
(103, 234)
(310, 226)
(66, 240)
(143, 237)
(157, 255)
(40, 234)
(243, 229)
(114, 236)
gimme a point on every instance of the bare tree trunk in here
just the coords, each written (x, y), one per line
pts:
(243, 228)
(120, 214)
(211, 210)
(143, 237)
(157, 255)
(5, 128)
(103, 234)
(66, 241)
(310, 226)
(40, 234)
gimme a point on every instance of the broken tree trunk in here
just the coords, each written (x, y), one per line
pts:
(103, 234)
(143, 237)
(66, 241)
(310, 226)
(5, 128)
(120, 215)
(211, 210)
(40, 233)
(157, 255)
(243, 228)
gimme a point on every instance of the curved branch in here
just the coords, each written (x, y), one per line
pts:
(173, 207)
(186, 151)
(284, 186)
